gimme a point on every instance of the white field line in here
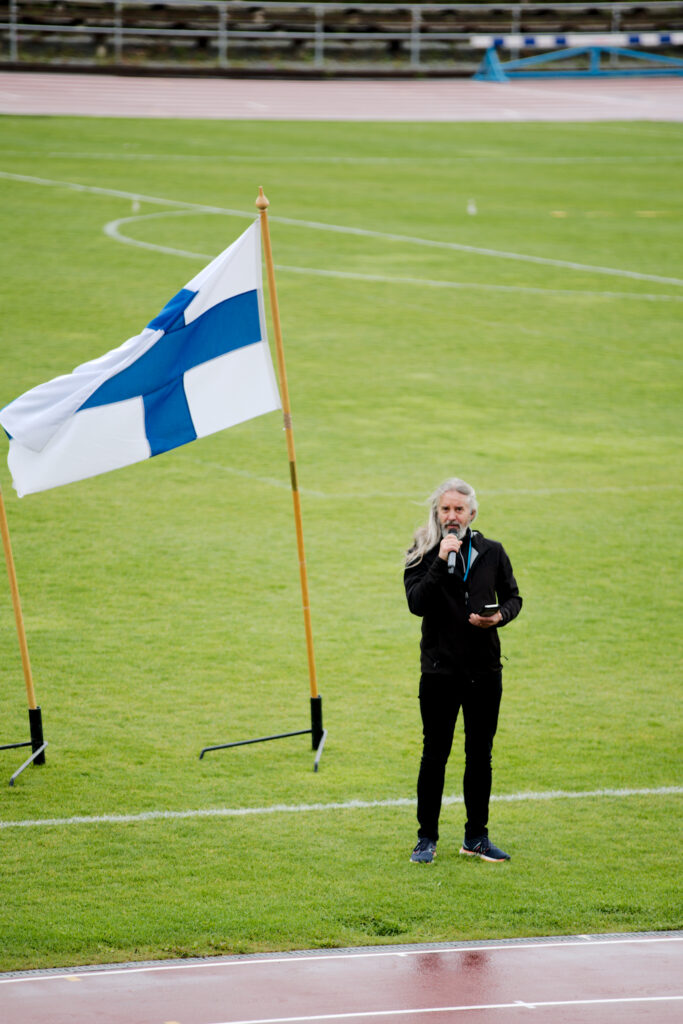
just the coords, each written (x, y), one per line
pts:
(348, 805)
(517, 1005)
(539, 492)
(112, 230)
(473, 286)
(346, 230)
(319, 158)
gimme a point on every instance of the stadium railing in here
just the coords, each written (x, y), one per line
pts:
(235, 36)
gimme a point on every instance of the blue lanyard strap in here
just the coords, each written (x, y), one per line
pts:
(469, 560)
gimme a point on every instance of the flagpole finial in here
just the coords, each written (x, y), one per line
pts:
(262, 202)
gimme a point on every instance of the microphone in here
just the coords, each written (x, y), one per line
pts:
(451, 554)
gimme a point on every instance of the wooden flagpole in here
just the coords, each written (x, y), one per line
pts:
(318, 734)
(34, 713)
(262, 205)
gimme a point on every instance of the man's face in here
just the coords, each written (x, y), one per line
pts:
(455, 513)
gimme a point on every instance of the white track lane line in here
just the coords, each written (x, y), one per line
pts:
(257, 960)
(478, 1007)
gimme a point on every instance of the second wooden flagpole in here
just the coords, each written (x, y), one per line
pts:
(34, 712)
(262, 205)
(16, 602)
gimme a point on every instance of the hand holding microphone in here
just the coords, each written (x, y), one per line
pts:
(450, 547)
(452, 554)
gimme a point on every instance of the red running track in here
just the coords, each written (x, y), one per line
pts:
(626, 979)
(444, 100)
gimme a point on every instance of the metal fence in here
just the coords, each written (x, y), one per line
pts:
(295, 37)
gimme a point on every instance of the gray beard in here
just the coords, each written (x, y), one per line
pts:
(459, 533)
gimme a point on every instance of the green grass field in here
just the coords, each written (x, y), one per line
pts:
(162, 601)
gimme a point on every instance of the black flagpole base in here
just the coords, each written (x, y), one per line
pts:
(37, 743)
(317, 733)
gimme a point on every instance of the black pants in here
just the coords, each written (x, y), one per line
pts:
(441, 697)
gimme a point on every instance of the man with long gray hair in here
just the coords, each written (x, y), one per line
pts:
(463, 587)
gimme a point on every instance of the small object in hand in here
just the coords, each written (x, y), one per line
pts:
(488, 610)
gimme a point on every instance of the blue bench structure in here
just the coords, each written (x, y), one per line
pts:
(577, 45)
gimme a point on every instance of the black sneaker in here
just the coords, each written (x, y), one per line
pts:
(484, 848)
(424, 852)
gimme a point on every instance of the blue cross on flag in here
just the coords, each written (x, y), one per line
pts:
(201, 365)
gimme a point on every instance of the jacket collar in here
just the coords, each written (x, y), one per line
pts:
(476, 537)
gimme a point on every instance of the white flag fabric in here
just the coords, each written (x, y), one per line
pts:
(203, 364)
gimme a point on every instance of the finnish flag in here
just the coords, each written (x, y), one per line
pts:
(201, 365)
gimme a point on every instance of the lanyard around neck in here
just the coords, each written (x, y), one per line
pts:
(469, 559)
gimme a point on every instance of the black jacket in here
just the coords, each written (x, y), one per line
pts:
(445, 601)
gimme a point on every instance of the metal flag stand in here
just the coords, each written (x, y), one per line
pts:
(492, 69)
(37, 743)
(317, 732)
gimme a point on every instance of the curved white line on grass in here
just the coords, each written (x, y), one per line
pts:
(345, 230)
(348, 805)
(112, 231)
